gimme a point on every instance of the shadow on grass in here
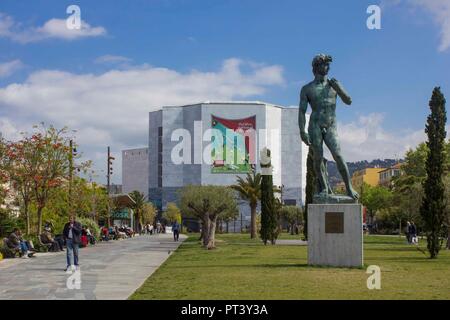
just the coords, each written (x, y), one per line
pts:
(400, 249)
(268, 266)
(264, 266)
(395, 243)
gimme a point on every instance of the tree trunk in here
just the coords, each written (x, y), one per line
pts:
(220, 226)
(201, 233)
(39, 214)
(370, 216)
(137, 227)
(253, 221)
(205, 231)
(27, 216)
(212, 234)
(448, 238)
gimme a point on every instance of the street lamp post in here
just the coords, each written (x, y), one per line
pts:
(108, 181)
(73, 153)
(241, 221)
(70, 175)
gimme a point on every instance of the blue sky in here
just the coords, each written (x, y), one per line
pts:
(135, 55)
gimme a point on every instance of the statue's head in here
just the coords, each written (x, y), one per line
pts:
(321, 64)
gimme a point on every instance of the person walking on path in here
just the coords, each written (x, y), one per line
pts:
(413, 234)
(408, 232)
(72, 235)
(176, 231)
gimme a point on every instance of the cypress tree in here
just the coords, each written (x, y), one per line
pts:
(269, 225)
(433, 205)
(309, 190)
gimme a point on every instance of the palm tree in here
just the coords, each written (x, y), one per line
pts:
(138, 206)
(250, 190)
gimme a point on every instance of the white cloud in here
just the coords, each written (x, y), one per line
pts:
(8, 68)
(8, 130)
(440, 10)
(112, 108)
(367, 139)
(52, 29)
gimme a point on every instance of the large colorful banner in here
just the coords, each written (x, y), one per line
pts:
(237, 145)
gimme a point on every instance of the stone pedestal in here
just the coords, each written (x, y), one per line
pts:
(335, 235)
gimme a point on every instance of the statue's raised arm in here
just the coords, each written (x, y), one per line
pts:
(336, 85)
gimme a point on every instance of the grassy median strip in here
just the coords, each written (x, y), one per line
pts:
(241, 268)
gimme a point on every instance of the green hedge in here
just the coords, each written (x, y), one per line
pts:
(8, 223)
(91, 224)
(58, 225)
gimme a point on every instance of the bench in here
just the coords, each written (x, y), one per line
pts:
(7, 251)
(45, 245)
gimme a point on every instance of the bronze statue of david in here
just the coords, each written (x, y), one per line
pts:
(321, 94)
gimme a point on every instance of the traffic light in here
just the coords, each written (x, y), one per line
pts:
(110, 163)
(110, 159)
(73, 155)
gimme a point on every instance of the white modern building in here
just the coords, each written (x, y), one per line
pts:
(135, 167)
(183, 143)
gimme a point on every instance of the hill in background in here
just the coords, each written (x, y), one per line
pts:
(335, 177)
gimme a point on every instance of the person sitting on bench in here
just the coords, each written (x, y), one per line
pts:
(16, 242)
(47, 239)
(105, 233)
(90, 237)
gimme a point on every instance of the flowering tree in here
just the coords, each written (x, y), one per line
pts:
(38, 164)
(51, 164)
(3, 173)
(19, 167)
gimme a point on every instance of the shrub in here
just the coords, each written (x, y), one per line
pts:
(91, 224)
(8, 223)
(172, 213)
(57, 224)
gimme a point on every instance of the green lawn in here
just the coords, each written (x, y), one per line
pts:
(241, 268)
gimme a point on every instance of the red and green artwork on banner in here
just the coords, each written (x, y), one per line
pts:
(237, 145)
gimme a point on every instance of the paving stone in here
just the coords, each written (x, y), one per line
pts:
(109, 270)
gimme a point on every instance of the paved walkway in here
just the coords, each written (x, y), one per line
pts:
(109, 270)
(291, 242)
